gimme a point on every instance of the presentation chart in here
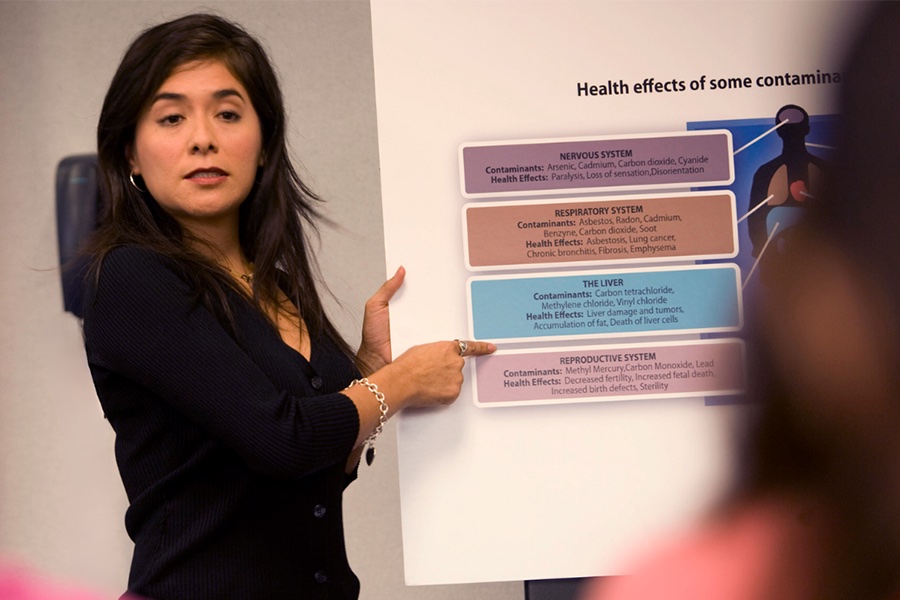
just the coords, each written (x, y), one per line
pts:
(556, 305)
(605, 201)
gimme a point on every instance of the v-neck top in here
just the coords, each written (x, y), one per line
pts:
(231, 446)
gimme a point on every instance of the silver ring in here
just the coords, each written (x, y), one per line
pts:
(463, 346)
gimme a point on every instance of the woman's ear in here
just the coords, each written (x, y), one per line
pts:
(129, 156)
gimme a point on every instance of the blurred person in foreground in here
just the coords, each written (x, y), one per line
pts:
(815, 512)
(21, 582)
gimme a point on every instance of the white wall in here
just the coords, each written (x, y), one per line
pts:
(61, 502)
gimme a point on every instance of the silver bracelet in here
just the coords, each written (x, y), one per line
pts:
(382, 418)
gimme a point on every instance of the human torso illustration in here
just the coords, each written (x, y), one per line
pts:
(783, 186)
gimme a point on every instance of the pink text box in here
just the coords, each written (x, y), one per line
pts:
(604, 373)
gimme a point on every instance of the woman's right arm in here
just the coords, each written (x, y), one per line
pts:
(425, 375)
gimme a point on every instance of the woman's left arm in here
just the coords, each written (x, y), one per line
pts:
(375, 348)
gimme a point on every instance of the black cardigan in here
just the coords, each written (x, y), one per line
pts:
(232, 449)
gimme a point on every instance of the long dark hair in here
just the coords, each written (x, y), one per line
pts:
(276, 216)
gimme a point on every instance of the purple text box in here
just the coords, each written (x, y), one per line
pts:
(700, 158)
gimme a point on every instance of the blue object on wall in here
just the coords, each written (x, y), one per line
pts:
(77, 214)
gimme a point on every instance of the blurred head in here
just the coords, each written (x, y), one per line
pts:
(830, 336)
(832, 315)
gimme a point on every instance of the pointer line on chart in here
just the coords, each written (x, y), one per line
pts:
(756, 208)
(747, 145)
(761, 252)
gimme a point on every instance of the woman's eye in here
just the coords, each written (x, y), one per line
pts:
(230, 116)
(170, 120)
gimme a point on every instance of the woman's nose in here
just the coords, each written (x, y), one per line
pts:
(203, 138)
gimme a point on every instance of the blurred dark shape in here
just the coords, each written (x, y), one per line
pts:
(77, 213)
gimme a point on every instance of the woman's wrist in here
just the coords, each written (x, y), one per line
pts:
(369, 361)
(392, 382)
(382, 416)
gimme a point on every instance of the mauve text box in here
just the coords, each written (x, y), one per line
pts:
(701, 158)
(605, 373)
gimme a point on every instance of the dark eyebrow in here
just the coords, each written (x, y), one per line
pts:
(218, 95)
(168, 96)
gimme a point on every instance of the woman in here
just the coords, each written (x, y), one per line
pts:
(240, 413)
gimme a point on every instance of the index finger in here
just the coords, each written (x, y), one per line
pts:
(476, 348)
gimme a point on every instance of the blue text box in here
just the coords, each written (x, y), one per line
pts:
(702, 298)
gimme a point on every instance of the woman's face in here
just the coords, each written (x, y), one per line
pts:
(198, 145)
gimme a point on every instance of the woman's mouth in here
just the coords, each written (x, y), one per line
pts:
(207, 176)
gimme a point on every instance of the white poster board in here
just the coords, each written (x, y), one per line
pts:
(527, 106)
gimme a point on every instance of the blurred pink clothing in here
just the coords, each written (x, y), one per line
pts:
(20, 583)
(763, 551)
